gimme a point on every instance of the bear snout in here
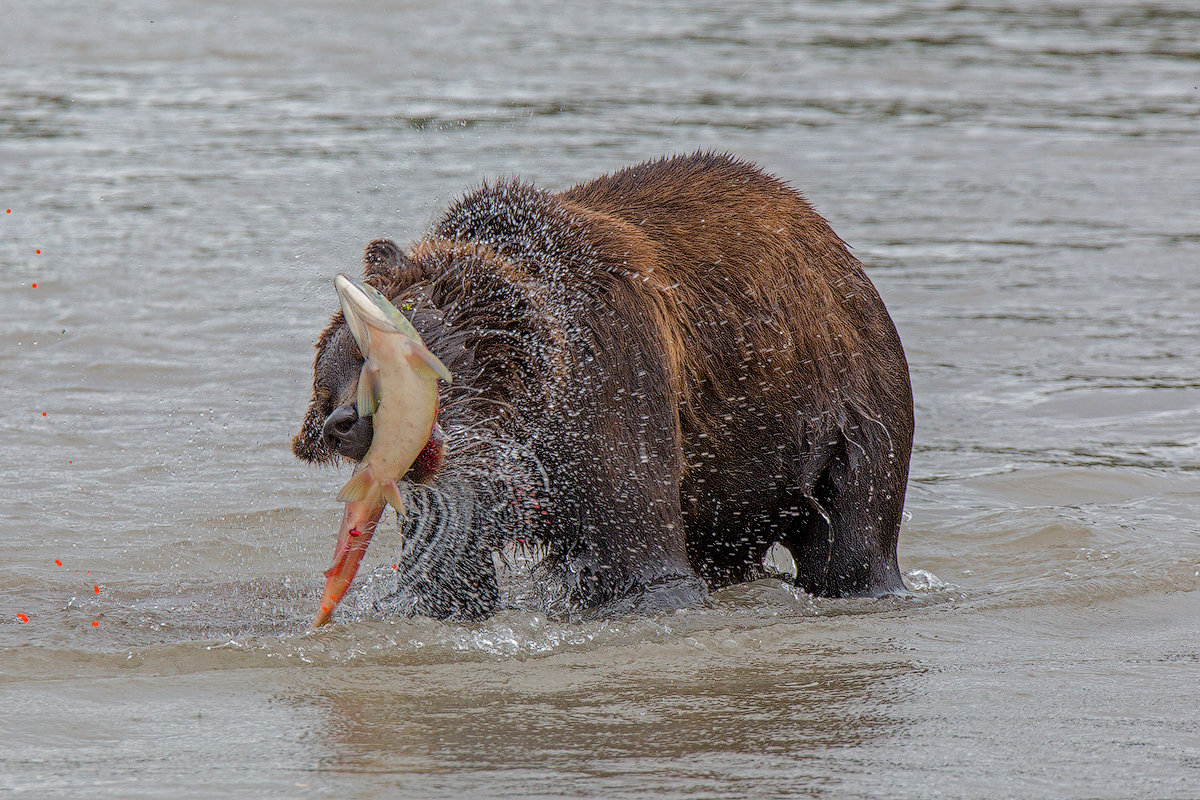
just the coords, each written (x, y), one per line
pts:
(347, 434)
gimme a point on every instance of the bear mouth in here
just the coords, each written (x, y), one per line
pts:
(345, 435)
(431, 458)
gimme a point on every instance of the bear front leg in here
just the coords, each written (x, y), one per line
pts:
(617, 537)
(445, 570)
(617, 547)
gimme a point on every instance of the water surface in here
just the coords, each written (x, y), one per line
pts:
(1020, 179)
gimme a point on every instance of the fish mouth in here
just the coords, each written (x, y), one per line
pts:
(359, 310)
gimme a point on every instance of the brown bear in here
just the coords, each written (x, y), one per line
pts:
(658, 374)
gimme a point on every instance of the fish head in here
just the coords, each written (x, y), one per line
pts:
(365, 307)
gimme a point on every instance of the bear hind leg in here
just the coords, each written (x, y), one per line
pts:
(845, 546)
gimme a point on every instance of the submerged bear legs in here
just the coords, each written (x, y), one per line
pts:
(726, 552)
(463, 587)
(445, 568)
(837, 510)
(845, 546)
(618, 546)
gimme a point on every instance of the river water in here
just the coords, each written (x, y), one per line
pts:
(1019, 176)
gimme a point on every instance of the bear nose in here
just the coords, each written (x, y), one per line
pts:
(338, 424)
(346, 434)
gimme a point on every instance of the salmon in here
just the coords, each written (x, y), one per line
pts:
(398, 389)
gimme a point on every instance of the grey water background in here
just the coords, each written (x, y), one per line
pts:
(1021, 179)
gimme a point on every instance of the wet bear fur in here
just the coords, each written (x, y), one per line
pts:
(658, 374)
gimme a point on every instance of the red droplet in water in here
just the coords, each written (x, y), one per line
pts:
(43, 413)
(97, 588)
(70, 462)
(35, 286)
(396, 567)
(95, 623)
(39, 252)
(8, 211)
(23, 618)
(57, 563)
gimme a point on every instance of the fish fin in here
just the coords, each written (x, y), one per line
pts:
(421, 358)
(356, 488)
(368, 390)
(391, 493)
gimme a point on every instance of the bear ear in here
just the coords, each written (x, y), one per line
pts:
(388, 269)
(383, 258)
